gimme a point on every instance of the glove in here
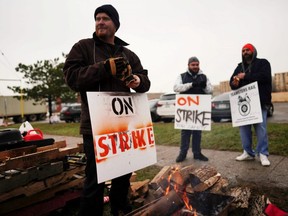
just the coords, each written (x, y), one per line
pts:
(128, 76)
(202, 84)
(118, 67)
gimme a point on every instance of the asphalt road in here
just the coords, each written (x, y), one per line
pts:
(280, 113)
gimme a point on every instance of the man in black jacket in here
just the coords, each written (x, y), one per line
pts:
(253, 69)
(193, 81)
(103, 63)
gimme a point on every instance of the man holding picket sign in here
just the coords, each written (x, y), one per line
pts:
(192, 82)
(253, 69)
(103, 63)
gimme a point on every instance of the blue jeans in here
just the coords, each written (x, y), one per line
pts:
(185, 141)
(261, 134)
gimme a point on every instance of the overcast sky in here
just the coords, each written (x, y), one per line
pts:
(163, 33)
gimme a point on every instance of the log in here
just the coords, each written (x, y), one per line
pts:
(166, 205)
(163, 174)
(139, 189)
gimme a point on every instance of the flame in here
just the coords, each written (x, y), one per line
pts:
(185, 198)
(186, 201)
(168, 187)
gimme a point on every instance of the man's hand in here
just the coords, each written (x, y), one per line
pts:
(134, 81)
(235, 81)
(118, 67)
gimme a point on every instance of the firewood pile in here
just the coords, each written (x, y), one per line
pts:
(188, 191)
(37, 180)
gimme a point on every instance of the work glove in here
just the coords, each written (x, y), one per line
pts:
(202, 84)
(195, 84)
(119, 68)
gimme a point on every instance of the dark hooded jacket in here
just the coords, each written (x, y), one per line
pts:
(260, 71)
(84, 71)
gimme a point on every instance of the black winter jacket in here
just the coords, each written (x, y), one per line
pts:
(259, 71)
(84, 71)
(188, 78)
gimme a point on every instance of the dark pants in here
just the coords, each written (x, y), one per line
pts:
(185, 141)
(93, 193)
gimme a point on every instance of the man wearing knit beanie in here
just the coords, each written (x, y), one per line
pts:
(193, 81)
(111, 12)
(253, 69)
(103, 63)
(193, 59)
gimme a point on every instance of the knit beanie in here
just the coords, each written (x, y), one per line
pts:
(193, 59)
(249, 46)
(111, 12)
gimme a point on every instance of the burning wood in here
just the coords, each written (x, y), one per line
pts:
(187, 191)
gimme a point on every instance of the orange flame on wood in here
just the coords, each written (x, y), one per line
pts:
(175, 187)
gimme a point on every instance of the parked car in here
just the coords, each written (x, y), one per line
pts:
(221, 108)
(71, 113)
(166, 107)
(153, 106)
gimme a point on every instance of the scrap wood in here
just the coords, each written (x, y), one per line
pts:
(186, 170)
(37, 158)
(22, 201)
(58, 144)
(47, 206)
(7, 154)
(202, 186)
(204, 173)
(25, 161)
(220, 187)
(26, 150)
(139, 189)
(242, 196)
(163, 174)
(15, 178)
(39, 186)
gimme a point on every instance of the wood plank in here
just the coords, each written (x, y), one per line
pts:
(58, 144)
(34, 159)
(38, 186)
(5, 155)
(24, 177)
(37, 158)
(47, 206)
(21, 202)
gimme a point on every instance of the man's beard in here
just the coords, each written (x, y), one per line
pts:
(248, 57)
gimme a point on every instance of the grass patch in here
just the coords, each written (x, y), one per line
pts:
(222, 136)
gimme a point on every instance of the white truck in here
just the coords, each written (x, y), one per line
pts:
(22, 110)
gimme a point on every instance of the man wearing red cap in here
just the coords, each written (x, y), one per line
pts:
(253, 69)
(103, 63)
